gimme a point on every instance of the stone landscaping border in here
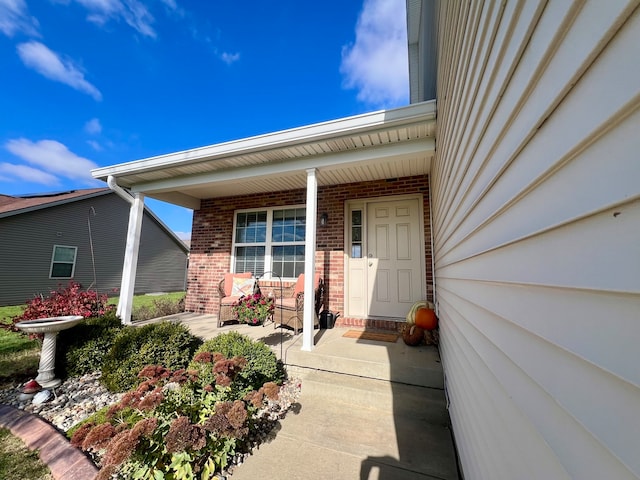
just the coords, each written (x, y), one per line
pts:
(65, 461)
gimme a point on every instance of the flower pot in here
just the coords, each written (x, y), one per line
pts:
(251, 307)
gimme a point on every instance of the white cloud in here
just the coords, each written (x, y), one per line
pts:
(12, 172)
(95, 145)
(38, 57)
(53, 157)
(171, 4)
(93, 126)
(134, 13)
(376, 65)
(173, 8)
(14, 18)
(229, 58)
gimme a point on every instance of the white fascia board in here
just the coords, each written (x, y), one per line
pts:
(414, 16)
(371, 155)
(420, 112)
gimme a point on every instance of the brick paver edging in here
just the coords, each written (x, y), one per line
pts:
(65, 461)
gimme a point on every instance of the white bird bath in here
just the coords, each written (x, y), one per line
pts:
(50, 327)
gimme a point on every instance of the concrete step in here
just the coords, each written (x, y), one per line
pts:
(419, 403)
(394, 362)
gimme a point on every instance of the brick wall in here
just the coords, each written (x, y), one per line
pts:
(212, 235)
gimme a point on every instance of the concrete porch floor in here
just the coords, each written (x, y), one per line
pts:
(368, 410)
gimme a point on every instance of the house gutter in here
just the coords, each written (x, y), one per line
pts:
(130, 265)
(122, 193)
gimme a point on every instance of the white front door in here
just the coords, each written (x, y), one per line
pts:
(394, 257)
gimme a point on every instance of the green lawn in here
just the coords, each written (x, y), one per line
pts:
(145, 301)
(7, 313)
(17, 461)
(15, 342)
(12, 341)
(19, 356)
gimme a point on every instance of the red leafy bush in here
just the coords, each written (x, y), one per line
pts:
(69, 300)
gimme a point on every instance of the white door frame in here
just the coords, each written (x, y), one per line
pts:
(362, 203)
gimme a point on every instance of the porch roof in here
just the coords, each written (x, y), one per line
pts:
(384, 144)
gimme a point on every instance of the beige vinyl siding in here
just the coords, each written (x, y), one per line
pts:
(535, 196)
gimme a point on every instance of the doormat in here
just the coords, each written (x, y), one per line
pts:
(365, 335)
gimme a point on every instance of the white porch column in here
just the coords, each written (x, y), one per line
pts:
(310, 260)
(130, 265)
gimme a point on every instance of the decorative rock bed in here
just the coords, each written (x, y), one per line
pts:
(78, 398)
(73, 401)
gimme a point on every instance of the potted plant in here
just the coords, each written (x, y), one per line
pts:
(253, 309)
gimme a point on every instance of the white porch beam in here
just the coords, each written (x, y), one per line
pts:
(132, 248)
(178, 198)
(310, 260)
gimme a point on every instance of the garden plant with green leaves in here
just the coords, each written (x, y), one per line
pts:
(190, 406)
(180, 424)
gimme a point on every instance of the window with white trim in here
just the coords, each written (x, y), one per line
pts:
(270, 240)
(63, 261)
(356, 233)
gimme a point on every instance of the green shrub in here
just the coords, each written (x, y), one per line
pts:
(262, 364)
(81, 349)
(173, 426)
(168, 344)
(128, 416)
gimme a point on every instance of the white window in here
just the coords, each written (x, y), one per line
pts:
(63, 261)
(270, 240)
(356, 233)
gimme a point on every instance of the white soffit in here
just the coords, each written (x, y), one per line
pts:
(384, 144)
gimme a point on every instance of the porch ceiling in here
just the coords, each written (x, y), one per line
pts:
(386, 144)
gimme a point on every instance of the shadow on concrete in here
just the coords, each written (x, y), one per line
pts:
(276, 337)
(422, 425)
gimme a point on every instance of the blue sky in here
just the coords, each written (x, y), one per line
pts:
(90, 83)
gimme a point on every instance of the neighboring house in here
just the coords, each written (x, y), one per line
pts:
(50, 239)
(523, 224)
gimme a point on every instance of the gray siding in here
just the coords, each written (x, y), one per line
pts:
(27, 242)
(161, 266)
(536, 221)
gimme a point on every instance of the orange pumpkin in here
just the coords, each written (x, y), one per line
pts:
(426, 318)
